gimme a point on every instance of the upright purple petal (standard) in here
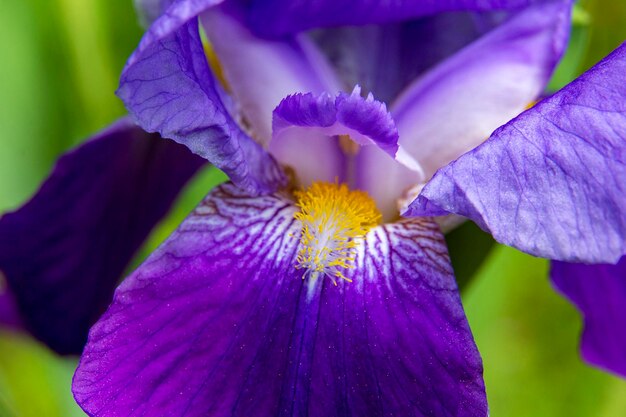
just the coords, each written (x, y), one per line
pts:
(407, 49)
(459, 103)
(599, 292)
(279, 17)
(219, 322)
(64, 251)
(551, 181)
(168, 87)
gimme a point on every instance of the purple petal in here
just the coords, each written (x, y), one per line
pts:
(219, 322)
(407, 49)
(9, 313)
(459, 103)
(599, 292)
(64, 251)
(278, 17)
(168, 87)
(365, 120)
(550, 182)
(260, 72)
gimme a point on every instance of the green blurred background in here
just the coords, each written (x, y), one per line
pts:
(59, 64)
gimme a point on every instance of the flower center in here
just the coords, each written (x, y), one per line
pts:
(334, 222)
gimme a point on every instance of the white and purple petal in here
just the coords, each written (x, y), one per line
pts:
(599, 292)
(168, 87)
(64, 251)
(551, 181)
(259, 72)
(457, 104)
(304, 127)
(218, 321)
(365, 120)
(279, 17)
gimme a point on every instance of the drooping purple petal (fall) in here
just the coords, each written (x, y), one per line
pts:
(259, 72)
(551, 181)
(219, 322)
(64, 251)
(599, 292)
(168, 87)
(279, 17)
(459, 103)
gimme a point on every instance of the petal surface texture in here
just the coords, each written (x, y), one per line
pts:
(168, 87)
(278, 17)
(456, 106)
(64, 251)
(302, 117)
(551, 181)
(599, 292)
(219, 322)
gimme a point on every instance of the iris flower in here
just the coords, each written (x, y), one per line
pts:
(315, 282)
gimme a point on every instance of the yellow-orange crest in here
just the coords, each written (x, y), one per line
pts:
(334, 221)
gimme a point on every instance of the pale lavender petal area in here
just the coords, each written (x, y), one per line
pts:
(459, 103)
(386, 180)
(599, 292)
(168, 87)
(551, 181)
(279, 17)
(64, 251)
(218, 321)
(259, 72)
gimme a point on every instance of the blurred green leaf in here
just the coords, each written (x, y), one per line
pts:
(528, 337)
(33, 381)
(607, 29)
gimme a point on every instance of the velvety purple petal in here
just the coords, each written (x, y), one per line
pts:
(9, 313)
(260, 73)
(278, 17)
(459, 103)
(599, 292)
(64, 251)
(551, 181)
(168, 87)
(407, 49)
(219, 322)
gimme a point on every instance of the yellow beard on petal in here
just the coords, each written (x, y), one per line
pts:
(334, 221)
